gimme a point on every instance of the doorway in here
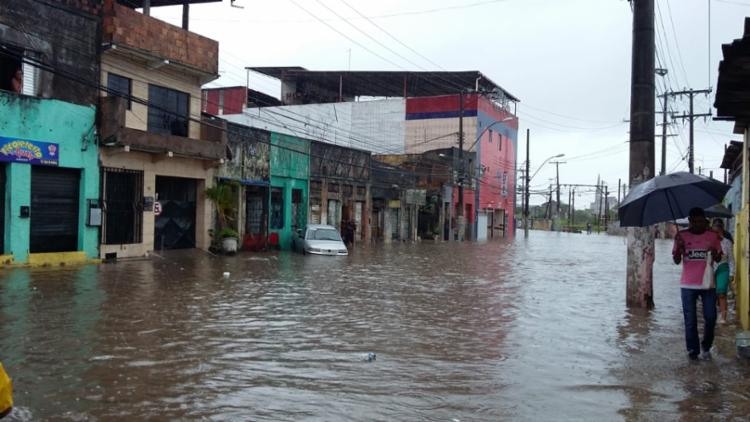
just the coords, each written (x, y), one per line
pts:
(175, 226)
(54, 209)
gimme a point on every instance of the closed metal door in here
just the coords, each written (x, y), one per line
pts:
(54, 209)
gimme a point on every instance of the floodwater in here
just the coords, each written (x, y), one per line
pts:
(519, 330)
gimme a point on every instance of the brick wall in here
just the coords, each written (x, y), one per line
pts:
(127, 27)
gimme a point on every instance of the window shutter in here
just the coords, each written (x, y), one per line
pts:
(29, 79)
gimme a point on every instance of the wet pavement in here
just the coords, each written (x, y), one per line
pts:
(529, 329)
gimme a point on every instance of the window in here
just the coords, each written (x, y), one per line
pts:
(122, 194)
(168, 111)
(277, 208)
(16, 75)
(120, 86)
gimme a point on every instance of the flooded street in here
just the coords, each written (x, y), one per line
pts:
(531, 329)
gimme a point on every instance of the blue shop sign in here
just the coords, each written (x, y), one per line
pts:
(16, 150)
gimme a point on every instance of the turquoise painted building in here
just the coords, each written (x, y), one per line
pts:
(290, 179)
(49, 178)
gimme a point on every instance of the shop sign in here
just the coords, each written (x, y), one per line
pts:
(16, 150)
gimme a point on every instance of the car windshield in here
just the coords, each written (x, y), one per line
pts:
(323, 234)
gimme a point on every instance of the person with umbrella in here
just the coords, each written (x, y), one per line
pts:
(691, 248)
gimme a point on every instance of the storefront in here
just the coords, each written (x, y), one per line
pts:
(50, 181)
(290, 163)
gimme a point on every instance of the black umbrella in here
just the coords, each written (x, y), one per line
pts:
(669, 197)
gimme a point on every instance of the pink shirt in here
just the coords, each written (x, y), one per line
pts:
(694, 255)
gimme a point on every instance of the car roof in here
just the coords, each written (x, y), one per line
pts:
(320, 226)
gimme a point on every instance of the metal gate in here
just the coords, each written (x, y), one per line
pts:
(54, 209)
(122, 194)
(175, 226)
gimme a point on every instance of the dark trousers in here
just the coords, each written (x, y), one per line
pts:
(689, 311)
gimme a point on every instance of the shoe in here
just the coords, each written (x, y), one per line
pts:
(723, 321)
(693, 356)
(706, 355)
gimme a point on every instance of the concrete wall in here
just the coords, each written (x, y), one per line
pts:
(174, 167)
(72, 127)
(54, 33)
(290, 169)
(376, 126)
(142, 76)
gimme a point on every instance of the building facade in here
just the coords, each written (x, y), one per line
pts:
(249, 166)
(158, 152)
(340, 188)
(289, 191)
(49, 174)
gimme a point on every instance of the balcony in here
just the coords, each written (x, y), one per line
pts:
(114, 134)
(153, 39)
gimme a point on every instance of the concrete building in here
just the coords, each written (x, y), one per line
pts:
(340, 188)
(158, 152)
(289, 195)
(49, 175)
(733, 104)
(249, 166)
(399, 113)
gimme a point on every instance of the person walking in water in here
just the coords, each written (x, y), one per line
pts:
(691, 248)
(724, 269)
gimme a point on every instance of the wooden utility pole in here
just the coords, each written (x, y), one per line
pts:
(640, 260)
(573, 208)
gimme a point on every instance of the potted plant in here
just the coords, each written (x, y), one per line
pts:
(222, 196)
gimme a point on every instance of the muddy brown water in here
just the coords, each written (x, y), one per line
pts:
(529, 329)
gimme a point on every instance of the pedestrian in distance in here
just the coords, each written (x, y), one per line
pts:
(691, 248)
(724, 268)
(588, 228)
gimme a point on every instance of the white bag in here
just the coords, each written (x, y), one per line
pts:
(709, 280)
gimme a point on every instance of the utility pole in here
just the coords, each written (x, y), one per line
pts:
(663, 135)
(557, 166)
(619, 188)
(526, 194)
(549, 204)
(599, 215)
(691, 116)
(461, 217)
(639, 278)
(570, 196)
(606, 208)
(573, 208)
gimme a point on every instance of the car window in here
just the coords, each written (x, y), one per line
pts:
(323, 234)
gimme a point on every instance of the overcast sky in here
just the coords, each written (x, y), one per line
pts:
(568, 61)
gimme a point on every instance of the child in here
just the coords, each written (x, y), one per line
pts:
(724, 269)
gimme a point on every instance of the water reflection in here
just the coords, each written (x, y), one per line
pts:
(531, 329)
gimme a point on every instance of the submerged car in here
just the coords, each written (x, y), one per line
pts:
(320, 239)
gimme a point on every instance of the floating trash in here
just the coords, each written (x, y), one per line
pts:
(226, 274)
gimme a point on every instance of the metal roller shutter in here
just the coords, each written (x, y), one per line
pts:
(54, 209)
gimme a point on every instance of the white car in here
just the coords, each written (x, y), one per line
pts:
(319, 239)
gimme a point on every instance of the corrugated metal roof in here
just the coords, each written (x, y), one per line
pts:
(133, 4)
(388, 83)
